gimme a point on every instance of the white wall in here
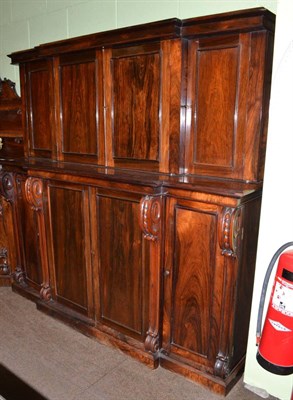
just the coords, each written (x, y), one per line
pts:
(276, 227)
(26, 23)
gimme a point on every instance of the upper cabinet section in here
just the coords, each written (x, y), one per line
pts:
(175, 97)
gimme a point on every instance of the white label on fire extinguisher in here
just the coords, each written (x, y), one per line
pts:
(282, 300)
(278, 326)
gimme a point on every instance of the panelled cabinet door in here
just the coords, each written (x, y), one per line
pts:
(122, 259)
(142, 95)
(225, 94)
(80, 100)
(69, 246)
(198, 287)
(40, 108)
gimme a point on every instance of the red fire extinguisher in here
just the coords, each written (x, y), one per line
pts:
(275, 343)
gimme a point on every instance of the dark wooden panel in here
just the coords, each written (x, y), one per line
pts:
(41, 108)
(122, 274)
(11, 121)
(68, 238)
(216, 106)
(12, 147)
(7, 243)
(78, 102)
(31, 243)
(193, 280)
(136, 105)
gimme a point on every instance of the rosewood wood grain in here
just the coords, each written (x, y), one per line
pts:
(69, 251)
(193, 282)
(145, 155)
(78, 105)
(123, 261)
(136, 104)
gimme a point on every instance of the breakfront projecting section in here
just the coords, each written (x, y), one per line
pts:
(137, 204)
(226, 96)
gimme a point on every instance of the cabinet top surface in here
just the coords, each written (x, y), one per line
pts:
(238, 21)
(160, 183)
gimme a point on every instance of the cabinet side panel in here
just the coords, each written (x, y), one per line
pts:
(67, 207)
(121, 265)
(193, 278)
(245, 279)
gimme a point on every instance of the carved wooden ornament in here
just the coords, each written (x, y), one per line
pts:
(230, 231)
(7, 186)
(221, 367)
(150, 216)
(34, 193)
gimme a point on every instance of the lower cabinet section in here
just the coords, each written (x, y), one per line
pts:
(208, 283)
(166, 276)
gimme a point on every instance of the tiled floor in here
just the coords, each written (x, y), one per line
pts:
(63, 364)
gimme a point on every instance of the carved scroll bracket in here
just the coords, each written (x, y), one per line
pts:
(221, 367)
(19, 276)
(7, 186)
(46, 292)
(34, 193)
(152, 341)
(230, 231)
(150, 216)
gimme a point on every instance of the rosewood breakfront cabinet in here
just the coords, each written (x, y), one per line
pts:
(137, 201)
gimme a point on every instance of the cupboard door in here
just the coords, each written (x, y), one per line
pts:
(123, 260)
(80, 106)
(70, 262)
(143, 106)
(193, 283)
(225, 99)
(40, 108)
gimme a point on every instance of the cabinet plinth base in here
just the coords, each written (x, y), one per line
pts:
(211, 382)
(87, 327)
(5, 280)
(28, 292)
